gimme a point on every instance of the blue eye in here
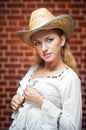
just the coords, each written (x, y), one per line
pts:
(37, 43)
(50, 40)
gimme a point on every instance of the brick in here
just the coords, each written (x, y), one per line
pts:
(13, 47)
(2, 71)
(2, 95)
(27, 11)
(4, 11)
(25, 60)
(32, 1)
(83, 36)
(21, 72)
(76, 5)
(2, 5)
(84, 11)
(17, 17)
(81, 18)
(76, 42)
(14, 65)
(13, 83)
(4, 35)
(27, 48)
(2, 17)
(3, 47)
(13, 11)
(11, 71)
(12, 29)
(22, 23)
(2, 119)
(61, 1)
(13, 35)
(78, 30)
(78, 54)
(31, 5)
(47, 1)
(15, 5)
(12, 41)
(14, 53)
(15, 59)
(49, 5)
(74, 48)
(2, 83)
(61, 5)
(3, 59)
(82, 24)
(12, 23)
(29, 53)
(60, 11)
(11, 77)
(1, 29)
(4, 1)
(10, 90)
(75, 11)
(83, 48)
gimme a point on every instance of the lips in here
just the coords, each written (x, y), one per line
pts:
(47, 55)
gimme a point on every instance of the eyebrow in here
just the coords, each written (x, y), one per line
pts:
(46, 37)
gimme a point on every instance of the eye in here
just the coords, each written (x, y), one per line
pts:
(36, 43)
(50, 40)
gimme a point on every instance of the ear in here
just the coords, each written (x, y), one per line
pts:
(63, 38)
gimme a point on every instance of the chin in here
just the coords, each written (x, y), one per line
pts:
(48, 60)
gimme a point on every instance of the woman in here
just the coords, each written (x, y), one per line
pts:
(49, 96)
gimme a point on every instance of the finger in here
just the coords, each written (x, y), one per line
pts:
(14, 108)
(16, 101)
(25, 91)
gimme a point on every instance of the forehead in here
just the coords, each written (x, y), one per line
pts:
(42, 33)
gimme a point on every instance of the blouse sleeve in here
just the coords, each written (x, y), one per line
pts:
(70, 116)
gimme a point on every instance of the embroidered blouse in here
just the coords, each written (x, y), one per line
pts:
(61, 108)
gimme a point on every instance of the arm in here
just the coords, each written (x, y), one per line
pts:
(71, 117)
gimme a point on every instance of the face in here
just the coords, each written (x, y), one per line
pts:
(48, 44)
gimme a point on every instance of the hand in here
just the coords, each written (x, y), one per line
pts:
(16, 102)
(32, 95)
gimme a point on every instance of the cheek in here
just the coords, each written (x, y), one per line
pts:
(56, 46)
(38, 50)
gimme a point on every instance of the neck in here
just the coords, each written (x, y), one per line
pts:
(56, 65)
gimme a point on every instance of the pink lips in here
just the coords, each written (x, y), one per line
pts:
(46, 55)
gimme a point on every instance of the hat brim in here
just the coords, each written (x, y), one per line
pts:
(63, 22)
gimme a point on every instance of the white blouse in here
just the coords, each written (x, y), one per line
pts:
(62, 106)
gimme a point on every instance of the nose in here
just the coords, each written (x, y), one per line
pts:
(44, 47)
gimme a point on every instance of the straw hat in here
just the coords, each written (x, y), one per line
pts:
(42, 19)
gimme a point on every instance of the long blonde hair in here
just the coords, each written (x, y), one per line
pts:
(66, 53)
(68, 58)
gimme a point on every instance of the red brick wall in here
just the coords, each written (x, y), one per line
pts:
(16, 58)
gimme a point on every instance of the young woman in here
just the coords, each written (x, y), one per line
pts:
(49, 96)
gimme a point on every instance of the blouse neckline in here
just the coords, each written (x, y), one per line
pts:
(53, 76)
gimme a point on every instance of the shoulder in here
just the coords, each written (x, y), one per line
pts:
(70, 74)
(28, 74)
(31, 69)
(71, 79)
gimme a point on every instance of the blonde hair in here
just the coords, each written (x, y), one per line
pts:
(68, 58)
(66, 53)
